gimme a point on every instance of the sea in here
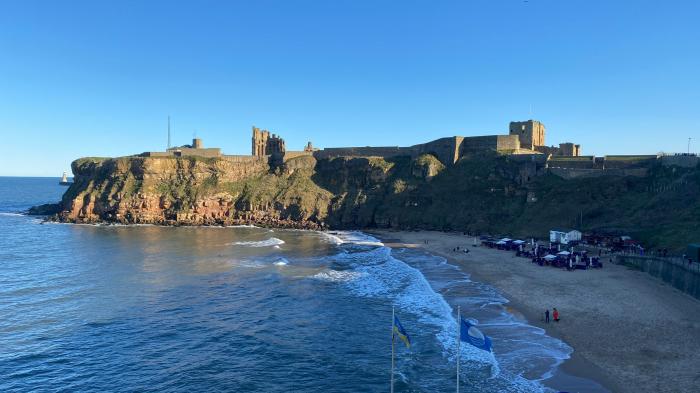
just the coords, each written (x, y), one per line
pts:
(107, 308)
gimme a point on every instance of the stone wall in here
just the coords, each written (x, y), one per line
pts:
(573, 173)
(612, 162)
(581, 162)
(246, 159)
(184, 152)
(447, 150)
(207, 152)
(507, 142)
(686, 161)
(475, 144)
(671, 272)
(368, 151)
(288, 155)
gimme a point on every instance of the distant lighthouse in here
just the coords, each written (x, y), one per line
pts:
(64, 180)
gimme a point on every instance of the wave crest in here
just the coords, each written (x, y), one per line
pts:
(271, 242)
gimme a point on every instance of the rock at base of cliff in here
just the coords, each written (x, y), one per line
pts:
(48, 209)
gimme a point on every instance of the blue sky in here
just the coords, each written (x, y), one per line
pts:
(99, 78)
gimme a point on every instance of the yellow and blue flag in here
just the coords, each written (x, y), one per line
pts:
(400, 332)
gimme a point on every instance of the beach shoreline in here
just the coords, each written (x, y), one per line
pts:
(629, 331)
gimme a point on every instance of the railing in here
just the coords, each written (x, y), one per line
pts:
(677, 260)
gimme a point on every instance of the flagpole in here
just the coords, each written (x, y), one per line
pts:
(392, 349)
(459, 345)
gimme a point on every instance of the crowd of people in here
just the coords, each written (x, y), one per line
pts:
(551, 255)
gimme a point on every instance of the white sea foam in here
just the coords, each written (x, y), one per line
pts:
(338, 275)
(281, 262)
(271, 242)
(383, 276)
(354, 237)
(10, 214)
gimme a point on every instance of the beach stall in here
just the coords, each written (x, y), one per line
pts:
(564, 236)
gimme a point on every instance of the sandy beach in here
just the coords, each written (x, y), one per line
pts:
(630, 332)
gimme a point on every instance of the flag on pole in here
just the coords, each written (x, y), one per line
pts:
(470, 334)
(401, 332)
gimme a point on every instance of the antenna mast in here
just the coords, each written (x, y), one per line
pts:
(168, 131)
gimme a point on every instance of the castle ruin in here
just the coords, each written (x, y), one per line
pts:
(530, 133)
(524, 139)
(266, 144)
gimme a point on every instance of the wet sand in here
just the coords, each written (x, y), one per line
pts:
(630, 332)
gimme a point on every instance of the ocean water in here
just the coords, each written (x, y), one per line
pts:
(94, 308)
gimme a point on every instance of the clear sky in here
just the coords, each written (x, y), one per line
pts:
(99, 78)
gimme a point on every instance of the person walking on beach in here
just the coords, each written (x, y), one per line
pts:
(546, 316)
(555, 314)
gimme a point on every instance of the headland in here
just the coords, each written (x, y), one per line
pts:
(510, 183)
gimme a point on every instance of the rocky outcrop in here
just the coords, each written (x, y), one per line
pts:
(192, 191)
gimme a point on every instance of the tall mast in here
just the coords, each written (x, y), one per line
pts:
(168, 131)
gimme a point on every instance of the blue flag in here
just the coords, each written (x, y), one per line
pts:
(401, 332)
(470, 334)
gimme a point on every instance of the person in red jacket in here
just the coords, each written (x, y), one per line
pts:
(555, 314)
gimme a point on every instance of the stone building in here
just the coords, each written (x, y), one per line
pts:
(530, 132)
(566, 149)
(309, 147)
(570, 149)
(266, 144)
(195, 149)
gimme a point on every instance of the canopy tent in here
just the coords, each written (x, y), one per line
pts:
(505, 239)
(501, 242)
(563, 253)
(550, 257)
(518, 242)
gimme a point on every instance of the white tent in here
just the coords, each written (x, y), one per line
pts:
(505, 239)
(550, 257)
(564, 253)
(501, 242)
(518, 242)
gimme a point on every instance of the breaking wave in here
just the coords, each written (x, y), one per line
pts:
(271, 242)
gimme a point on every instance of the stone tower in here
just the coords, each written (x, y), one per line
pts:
(265, 144)
(530, 133)
(260, 138)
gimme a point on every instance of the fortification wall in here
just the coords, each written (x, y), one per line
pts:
(444, 149)
(368, 151)
(246, 159)
(685, 161)
(573, 173)
(156, 154)
(621, 162)
(288, 155)
(540, 159)
(206, 152)
(668, 270)
(581, 162)
(507, 142)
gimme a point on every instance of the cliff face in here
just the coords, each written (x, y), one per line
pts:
(192, 191)
(489, 193)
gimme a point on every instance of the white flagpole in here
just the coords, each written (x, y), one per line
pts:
(392, 349)
(459, 344)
